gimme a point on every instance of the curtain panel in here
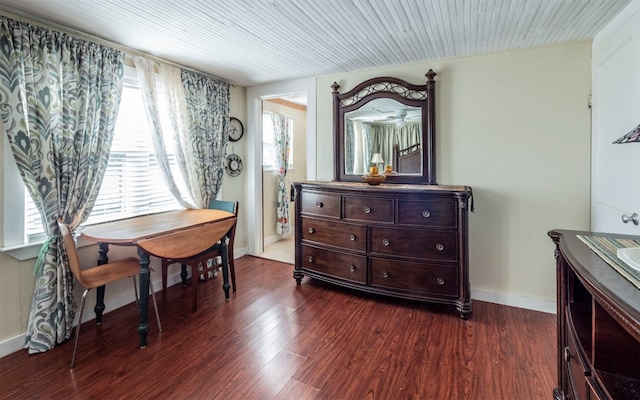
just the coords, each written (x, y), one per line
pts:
(197, 108)
(207, 115)
(282, 141)
(59, 98)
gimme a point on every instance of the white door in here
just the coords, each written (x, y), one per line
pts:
(616, 111)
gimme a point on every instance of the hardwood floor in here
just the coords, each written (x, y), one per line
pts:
(276, 340)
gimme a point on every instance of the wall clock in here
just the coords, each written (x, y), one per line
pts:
(233, 165)
(236, 129)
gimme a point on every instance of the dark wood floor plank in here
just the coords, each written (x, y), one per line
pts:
(275, 340)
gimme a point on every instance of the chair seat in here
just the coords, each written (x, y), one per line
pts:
(118, 269)
(99, 276)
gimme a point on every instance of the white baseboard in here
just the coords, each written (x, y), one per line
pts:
(17, 343)
(125, 299)
(514, 301)
(12, 345)
(272, 239)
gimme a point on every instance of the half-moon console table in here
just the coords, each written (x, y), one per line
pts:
(408, 241)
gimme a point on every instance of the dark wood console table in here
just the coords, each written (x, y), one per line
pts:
(598, 323)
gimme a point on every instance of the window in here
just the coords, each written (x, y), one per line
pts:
(133, 183)
(268, 146)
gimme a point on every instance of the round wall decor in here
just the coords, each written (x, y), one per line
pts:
(233, 166)
(236, 129)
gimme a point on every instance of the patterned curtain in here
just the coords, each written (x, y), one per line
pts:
(59, 99)
(207, 102)
(281, 140)
(198, 111)
(385, 136)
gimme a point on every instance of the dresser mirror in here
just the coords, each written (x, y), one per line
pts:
(387, 123)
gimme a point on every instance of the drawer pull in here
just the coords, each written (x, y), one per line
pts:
(367, 210)
(439, 247)
(352, 268)
(319, 204)
(426, 214)
(385, 274)
(311, 230)
(440, 281)
(352, 237)
(567, 354)
(386, 242)
(310, 259)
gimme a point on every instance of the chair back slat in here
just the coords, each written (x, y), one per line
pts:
(229, 206)
(72, 252)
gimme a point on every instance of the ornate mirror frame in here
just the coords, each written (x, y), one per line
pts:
(421, 96)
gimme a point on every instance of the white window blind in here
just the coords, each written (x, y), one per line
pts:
(133, 183)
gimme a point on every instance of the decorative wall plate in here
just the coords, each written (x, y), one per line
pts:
(233, 165)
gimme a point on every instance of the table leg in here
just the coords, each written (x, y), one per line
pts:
(103, 248)
(224, 250)
(143, 321)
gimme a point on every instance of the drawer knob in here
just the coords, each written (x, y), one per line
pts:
(311, 230)
(352, 268)
(440, 281)
(439, 247)
(385, 274)
(310, 259)
(567, 354)
(367, 210)
(386, 242)
(426, 214)
(352, 237)
(319, 204)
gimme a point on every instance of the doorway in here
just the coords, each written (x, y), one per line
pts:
(254, 189)
(291, 111)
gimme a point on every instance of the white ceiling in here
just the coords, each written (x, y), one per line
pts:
(250, 42)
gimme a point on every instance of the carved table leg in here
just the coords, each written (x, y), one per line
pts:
(183, 275)
(143, 322)
(224, 251)
(103, 249)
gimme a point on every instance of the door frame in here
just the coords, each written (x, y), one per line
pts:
(255, 95)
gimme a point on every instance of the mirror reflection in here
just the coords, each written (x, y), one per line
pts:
(386, 134)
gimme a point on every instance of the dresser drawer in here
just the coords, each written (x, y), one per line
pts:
(414, 276)
(334, 263)
(427, 213)
(333, 233)
(368, 209)
(322, 204)
(415, 243)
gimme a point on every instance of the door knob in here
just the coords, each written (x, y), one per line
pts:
(633, 218)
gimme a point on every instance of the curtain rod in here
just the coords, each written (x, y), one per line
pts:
(43, 23)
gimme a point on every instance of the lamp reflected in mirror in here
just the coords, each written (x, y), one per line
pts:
(378, 161)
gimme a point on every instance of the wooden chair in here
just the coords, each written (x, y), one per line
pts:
(99, 276)
(204, 257)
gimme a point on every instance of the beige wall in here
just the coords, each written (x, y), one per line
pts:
(516, 127)
(298, 173)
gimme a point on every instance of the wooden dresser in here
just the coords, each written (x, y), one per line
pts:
(401, 240)
(598, 324)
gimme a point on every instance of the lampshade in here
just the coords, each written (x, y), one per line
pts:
(631, 137)
(377, 159)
